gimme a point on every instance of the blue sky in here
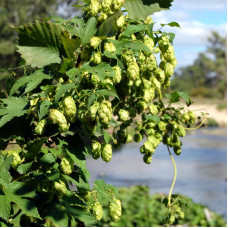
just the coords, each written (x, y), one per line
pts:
(197, 19)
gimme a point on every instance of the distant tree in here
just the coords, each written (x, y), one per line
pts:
(208, 72)
(15, 13)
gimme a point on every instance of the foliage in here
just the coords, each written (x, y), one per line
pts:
(90, 78)
(140, 209)
(206, 77)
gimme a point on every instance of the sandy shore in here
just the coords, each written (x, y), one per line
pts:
(220, 116)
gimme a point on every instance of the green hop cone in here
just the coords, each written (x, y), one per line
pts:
(172, 219)
(133, 70)
(106, 152)
(123, 115)
(67, 166)
(177, 150)
(16, 159)
(94, 7)
(148, 94)
(115, 210)
(40, 127)
(141, 106)
(160, 74)
(148, 147)
(153, 109)
(169, 69)
(57, 117)
(138, 137)
(109, 46)
(93, 109)
(147, 158)
(69, 109)
(120, 22)
(60, 188)
(96, 58)
(95, 79)
(162, 126)
(97, 210)
(149, 43)
(129, 138)
(118, 75)
(95, 41)
(181, 131)
(96, 149)
(102, 17)
(148, 21)
(192, 117)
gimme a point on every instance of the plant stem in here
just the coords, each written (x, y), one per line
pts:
(174, 178)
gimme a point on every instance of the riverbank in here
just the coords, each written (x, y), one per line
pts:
(212, 107)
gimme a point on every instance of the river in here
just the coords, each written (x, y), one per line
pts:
(201, 168)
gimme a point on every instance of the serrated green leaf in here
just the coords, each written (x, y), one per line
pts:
(27, 206)
(102, 70)
(70, 45)
(130, 29)
(89, 30)
(72, 72)
(34, 147)
(47, 159)
(43, 110)
(54, 175)
(57, 214)
(62, 90)
(133, 45)
(91, 99)
(22, 190)
(32, 81)
(172, 24)
(19, 83)
(110, 55)
(5, 165)
(39, 44)
(155, 119)
(140, 9)
(4, 207)
(106, 136)
(105, 92)
(15, 108)
(24, 168)
(108, 27)
(35, 79)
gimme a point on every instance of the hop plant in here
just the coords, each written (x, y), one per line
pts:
(96, 149)
(106, 152)
(67, 166)
(60, 188)
(115, 210)
(16, 159)
(57, 117)
(69, 109)
(95, 42)
(97, 210)
(40, 127)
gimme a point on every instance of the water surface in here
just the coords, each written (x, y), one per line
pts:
(201, 168)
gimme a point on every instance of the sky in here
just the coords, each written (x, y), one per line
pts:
(197, 19)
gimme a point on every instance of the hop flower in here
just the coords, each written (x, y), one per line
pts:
(95, 41)
(96, 150)
(97, 210)
(69, 109)
(40, 127)
(120, 22)
(60, 188)
(96, 58)
(109, 46)
(147, 158)
(106, 153)
(123, 115)
(67, 166)
(57, 117)
(115, 210)
(16, 159)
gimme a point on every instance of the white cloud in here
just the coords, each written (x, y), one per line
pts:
(201, 4)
